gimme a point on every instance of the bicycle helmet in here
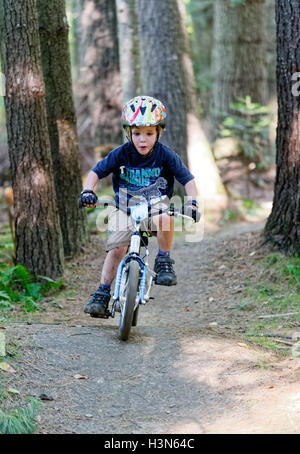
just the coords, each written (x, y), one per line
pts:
(143, 111)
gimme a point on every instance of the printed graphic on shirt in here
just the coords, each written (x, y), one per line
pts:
(151, 191)
(139, 177)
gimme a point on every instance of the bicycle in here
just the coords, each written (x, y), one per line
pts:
(133, 283)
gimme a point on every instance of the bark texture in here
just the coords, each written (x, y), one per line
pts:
(271, 47)
(239, 55)
(53, 28)
(101, 73)
(128, 48)
(167, 73)
(161, 62)
(283, 226)
(37, 228)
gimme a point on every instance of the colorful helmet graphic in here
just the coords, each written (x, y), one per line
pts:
(144, 111)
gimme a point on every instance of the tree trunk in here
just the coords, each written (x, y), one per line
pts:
(37, 227)
(128, 48)
(101, 75)
(200, 157)
(239, 53)
(271, 48)
(161, 62)
(53, 27)
(167, 73)
(283, 225)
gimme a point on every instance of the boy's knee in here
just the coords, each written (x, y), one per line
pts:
(119, 252)
(164, 222)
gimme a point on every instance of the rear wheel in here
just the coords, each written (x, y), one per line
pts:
(128, 303)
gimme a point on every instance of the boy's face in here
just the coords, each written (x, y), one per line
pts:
(144, 138)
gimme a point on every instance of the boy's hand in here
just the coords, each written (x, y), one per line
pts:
(190, 208)
(88, 198)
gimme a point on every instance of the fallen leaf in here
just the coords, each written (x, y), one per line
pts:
(186, 308)
(7, 368)
(270, 387)
(80, 376)
(2, 327)
(243, 345)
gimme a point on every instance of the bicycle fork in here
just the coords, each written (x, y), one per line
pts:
(142, 295)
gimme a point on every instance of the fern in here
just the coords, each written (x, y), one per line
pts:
(6, 306)
(19, 421)
(17, 285)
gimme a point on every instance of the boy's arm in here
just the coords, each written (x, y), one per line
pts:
(89, 198)
(90, 181)
(190, 208)
(191, 189)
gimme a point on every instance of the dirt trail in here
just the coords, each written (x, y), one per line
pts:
(182, 370)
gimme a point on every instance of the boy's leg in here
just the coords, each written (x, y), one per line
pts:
(98, 304)
(111, 263)
(163, 263)
(118, 241)
(165, 231)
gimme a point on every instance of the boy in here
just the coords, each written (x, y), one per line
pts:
(142, 166)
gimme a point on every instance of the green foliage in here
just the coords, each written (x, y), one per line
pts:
(244, 306)
(6, 245)
(20, 420)
(277, 293)
(228, 216)
(199, 25)
(17, 286)
(250, 125)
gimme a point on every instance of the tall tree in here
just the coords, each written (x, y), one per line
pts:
(271, 47)
(128, 48)
(166, 73)
(53, 28)
(283, 225)
(238, 61)
(37, 226)
(101, 72)
(161, 64)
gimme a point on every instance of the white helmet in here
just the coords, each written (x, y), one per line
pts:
(143, 111)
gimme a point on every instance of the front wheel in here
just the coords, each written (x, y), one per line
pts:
(135, 316)
(128, 303)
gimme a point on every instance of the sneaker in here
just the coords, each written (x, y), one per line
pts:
(164, 270)
(98, 304)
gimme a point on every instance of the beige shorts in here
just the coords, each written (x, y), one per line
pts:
(120, 227)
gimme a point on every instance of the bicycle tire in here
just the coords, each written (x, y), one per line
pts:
(127, 309)
(135, 316)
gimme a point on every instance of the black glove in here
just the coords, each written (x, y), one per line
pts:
(88, 197)
(190, 208)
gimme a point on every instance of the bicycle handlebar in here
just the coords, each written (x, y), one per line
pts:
(153, 211)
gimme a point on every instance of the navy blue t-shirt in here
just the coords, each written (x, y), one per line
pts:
(148, 176)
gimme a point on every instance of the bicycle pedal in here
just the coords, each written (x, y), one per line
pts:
(107, 315)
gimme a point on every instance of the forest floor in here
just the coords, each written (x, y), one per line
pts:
(189, 367)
